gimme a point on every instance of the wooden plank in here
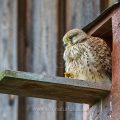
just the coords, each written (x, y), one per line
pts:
(41, 52)
(22, 34)
(61, 113)
(81, 12)
(104, 4)
(115, 115)
(29, 84)
(8, 54)
(21, 50)
(61, 17)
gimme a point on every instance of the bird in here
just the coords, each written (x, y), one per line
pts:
(86, 57)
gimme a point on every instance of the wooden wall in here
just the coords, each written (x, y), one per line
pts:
(42, 35)
(8, 54)
(37, 30)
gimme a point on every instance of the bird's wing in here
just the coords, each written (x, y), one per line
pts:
(103, 53)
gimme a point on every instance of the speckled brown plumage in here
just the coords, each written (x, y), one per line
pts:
(86, 57)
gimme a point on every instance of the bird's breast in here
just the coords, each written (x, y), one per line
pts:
(83, 72)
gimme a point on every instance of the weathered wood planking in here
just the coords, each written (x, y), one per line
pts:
(8, 54)
(116, 65)
(58, 88)
(81, 12)
(61, 18)
(106, 3)
(41, 51)
(22, 51)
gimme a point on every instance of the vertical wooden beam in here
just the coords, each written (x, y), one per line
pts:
(106, 3)
(22, 34)
(61, 31)
(116, 65)
(61, 16)
(103, 4)
(22, 38)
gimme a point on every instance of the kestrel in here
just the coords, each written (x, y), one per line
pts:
(86, 57)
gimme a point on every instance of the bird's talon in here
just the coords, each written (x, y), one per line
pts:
(69, 75)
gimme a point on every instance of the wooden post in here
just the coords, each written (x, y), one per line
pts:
(116, 66)
(104, 4)
(22, 4)
(61, 17)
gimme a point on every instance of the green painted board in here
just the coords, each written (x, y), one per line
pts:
(52, 87)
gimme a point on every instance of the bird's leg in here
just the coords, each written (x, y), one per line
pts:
(69, 74)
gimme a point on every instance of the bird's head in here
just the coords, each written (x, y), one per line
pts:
(74, 36)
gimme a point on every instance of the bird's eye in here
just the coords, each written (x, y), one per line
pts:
(70, 37)
(75, 39)
(73, 35)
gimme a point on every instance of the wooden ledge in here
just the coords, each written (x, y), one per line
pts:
(49, 87)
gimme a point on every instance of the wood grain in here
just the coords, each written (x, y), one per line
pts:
(116, 65)
(28, 84)
(8, 53)
(61, 18)
(21, 49)
(41, 51)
